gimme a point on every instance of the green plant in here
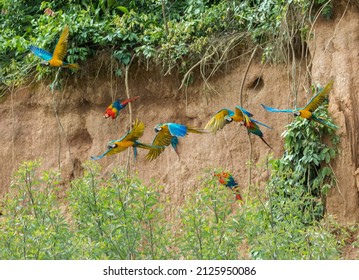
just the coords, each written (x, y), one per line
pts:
(208, 229)
(296, 191)
(33, 226)
(118, 218)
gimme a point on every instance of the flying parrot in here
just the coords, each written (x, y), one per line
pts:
(168, 133)
(129, 140)
(307, 111)
(240, 115)
(57, 58)
(227, 180)
(113, 110)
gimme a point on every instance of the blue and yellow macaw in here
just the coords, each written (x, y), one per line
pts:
(240, 115)
(227, 180)
(129, 140)
(113, 110)
(168, 133)
(307, 111)
(57, 58)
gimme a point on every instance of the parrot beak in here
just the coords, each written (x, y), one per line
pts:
(112, 146)
(228, 119)
(158, 129)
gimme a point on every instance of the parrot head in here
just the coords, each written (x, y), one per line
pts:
(296, 114)
(112, 146)
(158, 128)
(45, 62)
(228, 119)
(110, 112)
(223, 176)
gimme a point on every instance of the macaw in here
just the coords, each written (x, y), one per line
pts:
(307, 111)
(227, 180)
(168, 133)
(113, 110)
(129, 140)
(240, 115)
(56, 59)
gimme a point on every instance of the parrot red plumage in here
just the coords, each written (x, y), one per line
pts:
(113, 110)
(227, 180)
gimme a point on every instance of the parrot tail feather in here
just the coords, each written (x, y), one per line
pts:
(196, 130)
(266, 143)
(147, 146)
(129, 100)
(321, 121)
(71, 65)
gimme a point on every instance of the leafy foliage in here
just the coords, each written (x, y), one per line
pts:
(177, 34)
(210, 229)
(34, 226)
(296, 195)
(117, 218)
(120, 218)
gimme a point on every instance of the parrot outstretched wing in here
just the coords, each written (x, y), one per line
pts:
(247, 116)
(242, 111)
(318, 99)
(218, 121)
(163, 138)
(270, 109)
(262, 124)
(45, 55)
(135, 133)
(61, 46)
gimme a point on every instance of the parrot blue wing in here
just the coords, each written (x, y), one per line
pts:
(109, 146)
(321, 121)
(134, 152)
(100, 156)
(117, 104)
(178, 130)
(261, 123)
(245, 111)
(174, 142)
(45, 55)
(270, 109)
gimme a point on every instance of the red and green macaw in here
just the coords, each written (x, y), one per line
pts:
(227, 180)
(240, 115)
(113, 110)
(56, 59)
(168, 133)
(129, 140)
(307, 111)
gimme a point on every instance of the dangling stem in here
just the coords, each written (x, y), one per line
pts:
(127, 88)
(250, 164)
(245, 76)
(52, 87)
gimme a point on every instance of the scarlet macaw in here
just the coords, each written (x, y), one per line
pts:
(129, 140)
(168, 133)
(56, 59)
(307, 111)
(113, 110)
(225, 116)
(227, 180)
